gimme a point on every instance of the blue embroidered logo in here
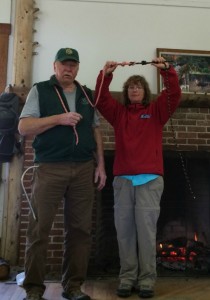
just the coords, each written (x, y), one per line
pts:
(145, 116)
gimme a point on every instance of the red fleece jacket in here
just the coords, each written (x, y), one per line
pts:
(138, 129)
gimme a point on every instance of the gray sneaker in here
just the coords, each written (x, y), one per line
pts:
(75, 295)
(124, 290)
(146, 291)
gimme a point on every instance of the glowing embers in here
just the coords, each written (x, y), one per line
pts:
(181, 254)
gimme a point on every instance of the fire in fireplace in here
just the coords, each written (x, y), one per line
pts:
(183, 236)
(181, 254)
(183, 232)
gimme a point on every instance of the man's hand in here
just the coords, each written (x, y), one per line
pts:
(70, 118)
(100, 177)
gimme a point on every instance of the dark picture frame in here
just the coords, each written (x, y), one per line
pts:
(193, 69)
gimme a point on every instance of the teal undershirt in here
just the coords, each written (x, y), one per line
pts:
(140, 179)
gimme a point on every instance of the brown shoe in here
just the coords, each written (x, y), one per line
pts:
(33, 296)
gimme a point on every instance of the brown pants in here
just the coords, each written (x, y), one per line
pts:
(53, 182)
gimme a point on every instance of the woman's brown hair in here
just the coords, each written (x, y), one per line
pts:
(137, 80)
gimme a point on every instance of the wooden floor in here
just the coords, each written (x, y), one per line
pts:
(167, 288)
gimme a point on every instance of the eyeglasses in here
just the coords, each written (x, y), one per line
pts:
(135, 87)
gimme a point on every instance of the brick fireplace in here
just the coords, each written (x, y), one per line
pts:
(191, 124)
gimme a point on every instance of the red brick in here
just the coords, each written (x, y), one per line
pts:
(191, 126)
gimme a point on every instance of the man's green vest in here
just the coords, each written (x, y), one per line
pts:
(58, 144)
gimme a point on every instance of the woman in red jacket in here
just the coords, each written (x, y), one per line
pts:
(138, 169)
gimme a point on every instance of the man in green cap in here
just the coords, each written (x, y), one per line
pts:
(68, 161)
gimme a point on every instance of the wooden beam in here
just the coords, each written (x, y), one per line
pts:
(22, 63)
(23, 43)
(5, 31)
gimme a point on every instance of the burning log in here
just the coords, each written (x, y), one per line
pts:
(182, 253)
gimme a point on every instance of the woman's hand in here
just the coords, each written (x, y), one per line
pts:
(109, 67)
(160, 63)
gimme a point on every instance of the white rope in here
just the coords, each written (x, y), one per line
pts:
(22, 183)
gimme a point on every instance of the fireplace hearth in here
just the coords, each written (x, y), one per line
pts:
(183, 231)
(183, 235)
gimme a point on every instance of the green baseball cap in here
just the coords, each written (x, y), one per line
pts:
(67, 54)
